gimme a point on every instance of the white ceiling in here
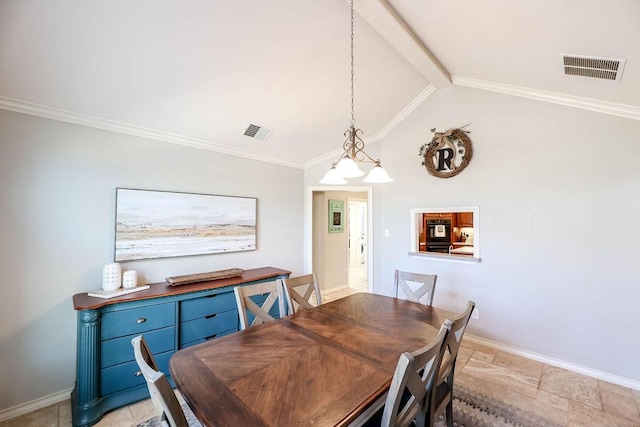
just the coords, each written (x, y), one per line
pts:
(198, 72)
(519, 42)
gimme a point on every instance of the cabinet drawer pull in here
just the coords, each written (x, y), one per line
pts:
(141, 320)
(138, 374)
(212, 296)
(211, 316)
(211, 337)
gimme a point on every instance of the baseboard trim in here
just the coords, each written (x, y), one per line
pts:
(34, 405)
(601, 375)
(335, 288)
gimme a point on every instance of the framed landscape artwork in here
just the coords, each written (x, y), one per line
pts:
(160, 224)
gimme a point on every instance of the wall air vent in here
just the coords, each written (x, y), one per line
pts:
(591, 66)
(257, 132)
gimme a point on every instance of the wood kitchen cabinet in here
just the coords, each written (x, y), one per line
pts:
(439, 215)
(464, 219)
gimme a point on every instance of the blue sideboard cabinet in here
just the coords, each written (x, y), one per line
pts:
(169, 317)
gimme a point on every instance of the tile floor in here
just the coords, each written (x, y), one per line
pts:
(568, 398)
(357, 283)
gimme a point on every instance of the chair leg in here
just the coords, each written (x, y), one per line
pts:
(449, 412)
(428, 422)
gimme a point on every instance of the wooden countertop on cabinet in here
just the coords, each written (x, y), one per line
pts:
(461, 244)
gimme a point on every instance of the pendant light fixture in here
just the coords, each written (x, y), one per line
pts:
(353, 146)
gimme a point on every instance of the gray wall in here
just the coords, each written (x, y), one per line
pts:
(556, 186)
(557, 189)
(57, 193)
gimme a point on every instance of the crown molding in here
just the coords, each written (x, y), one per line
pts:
(612, 108)
(114, 126)
(383, 132)
(402, 114)
(620, 110)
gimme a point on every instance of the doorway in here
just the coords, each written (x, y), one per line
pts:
(358, 242)
(341, 260)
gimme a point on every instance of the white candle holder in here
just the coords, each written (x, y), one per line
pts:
(111, 276)
(130, 279)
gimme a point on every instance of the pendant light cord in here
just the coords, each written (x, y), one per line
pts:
(353, 119)
(353, 146)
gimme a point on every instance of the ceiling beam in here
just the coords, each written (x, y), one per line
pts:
(386, 21)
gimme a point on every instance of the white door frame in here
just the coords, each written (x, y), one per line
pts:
(308, 232)
(354, 248)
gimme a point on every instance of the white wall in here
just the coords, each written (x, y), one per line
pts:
(558, 190)
(57, 193)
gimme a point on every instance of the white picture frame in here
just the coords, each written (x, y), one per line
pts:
(158, 224)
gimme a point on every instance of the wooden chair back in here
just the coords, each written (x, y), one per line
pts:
(411, 394)
(299, 292)
(444, 387)
(423, 293)
(247, 304)
(165, 401)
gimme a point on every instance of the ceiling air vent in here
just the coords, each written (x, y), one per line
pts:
(590, 66)
(258, 132)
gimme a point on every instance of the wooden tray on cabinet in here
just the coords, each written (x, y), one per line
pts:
(204, 277)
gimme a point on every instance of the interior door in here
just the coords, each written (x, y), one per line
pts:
(357, 233)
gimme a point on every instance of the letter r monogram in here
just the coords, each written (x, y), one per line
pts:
(445, 155)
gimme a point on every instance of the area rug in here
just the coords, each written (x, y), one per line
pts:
(191, 419)
(470, 409)
(473, 409)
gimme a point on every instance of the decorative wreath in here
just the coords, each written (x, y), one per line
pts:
(455, 139)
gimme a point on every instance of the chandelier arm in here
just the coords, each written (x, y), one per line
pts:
(358, 146)
(347, 145)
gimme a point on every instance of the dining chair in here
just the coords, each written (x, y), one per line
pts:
(411, 395)
(422, 294)
(299, 292)
(444, 384)
(167, 406)
(248, 299)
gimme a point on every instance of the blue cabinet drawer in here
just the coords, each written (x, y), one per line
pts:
(205, 306)
(137, 320)
(207, 327)
(200, 341)
(127, 375)
(120, 350)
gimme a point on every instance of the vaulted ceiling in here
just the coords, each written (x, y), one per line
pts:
(198, 72)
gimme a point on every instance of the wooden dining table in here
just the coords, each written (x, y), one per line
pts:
(325, 366)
